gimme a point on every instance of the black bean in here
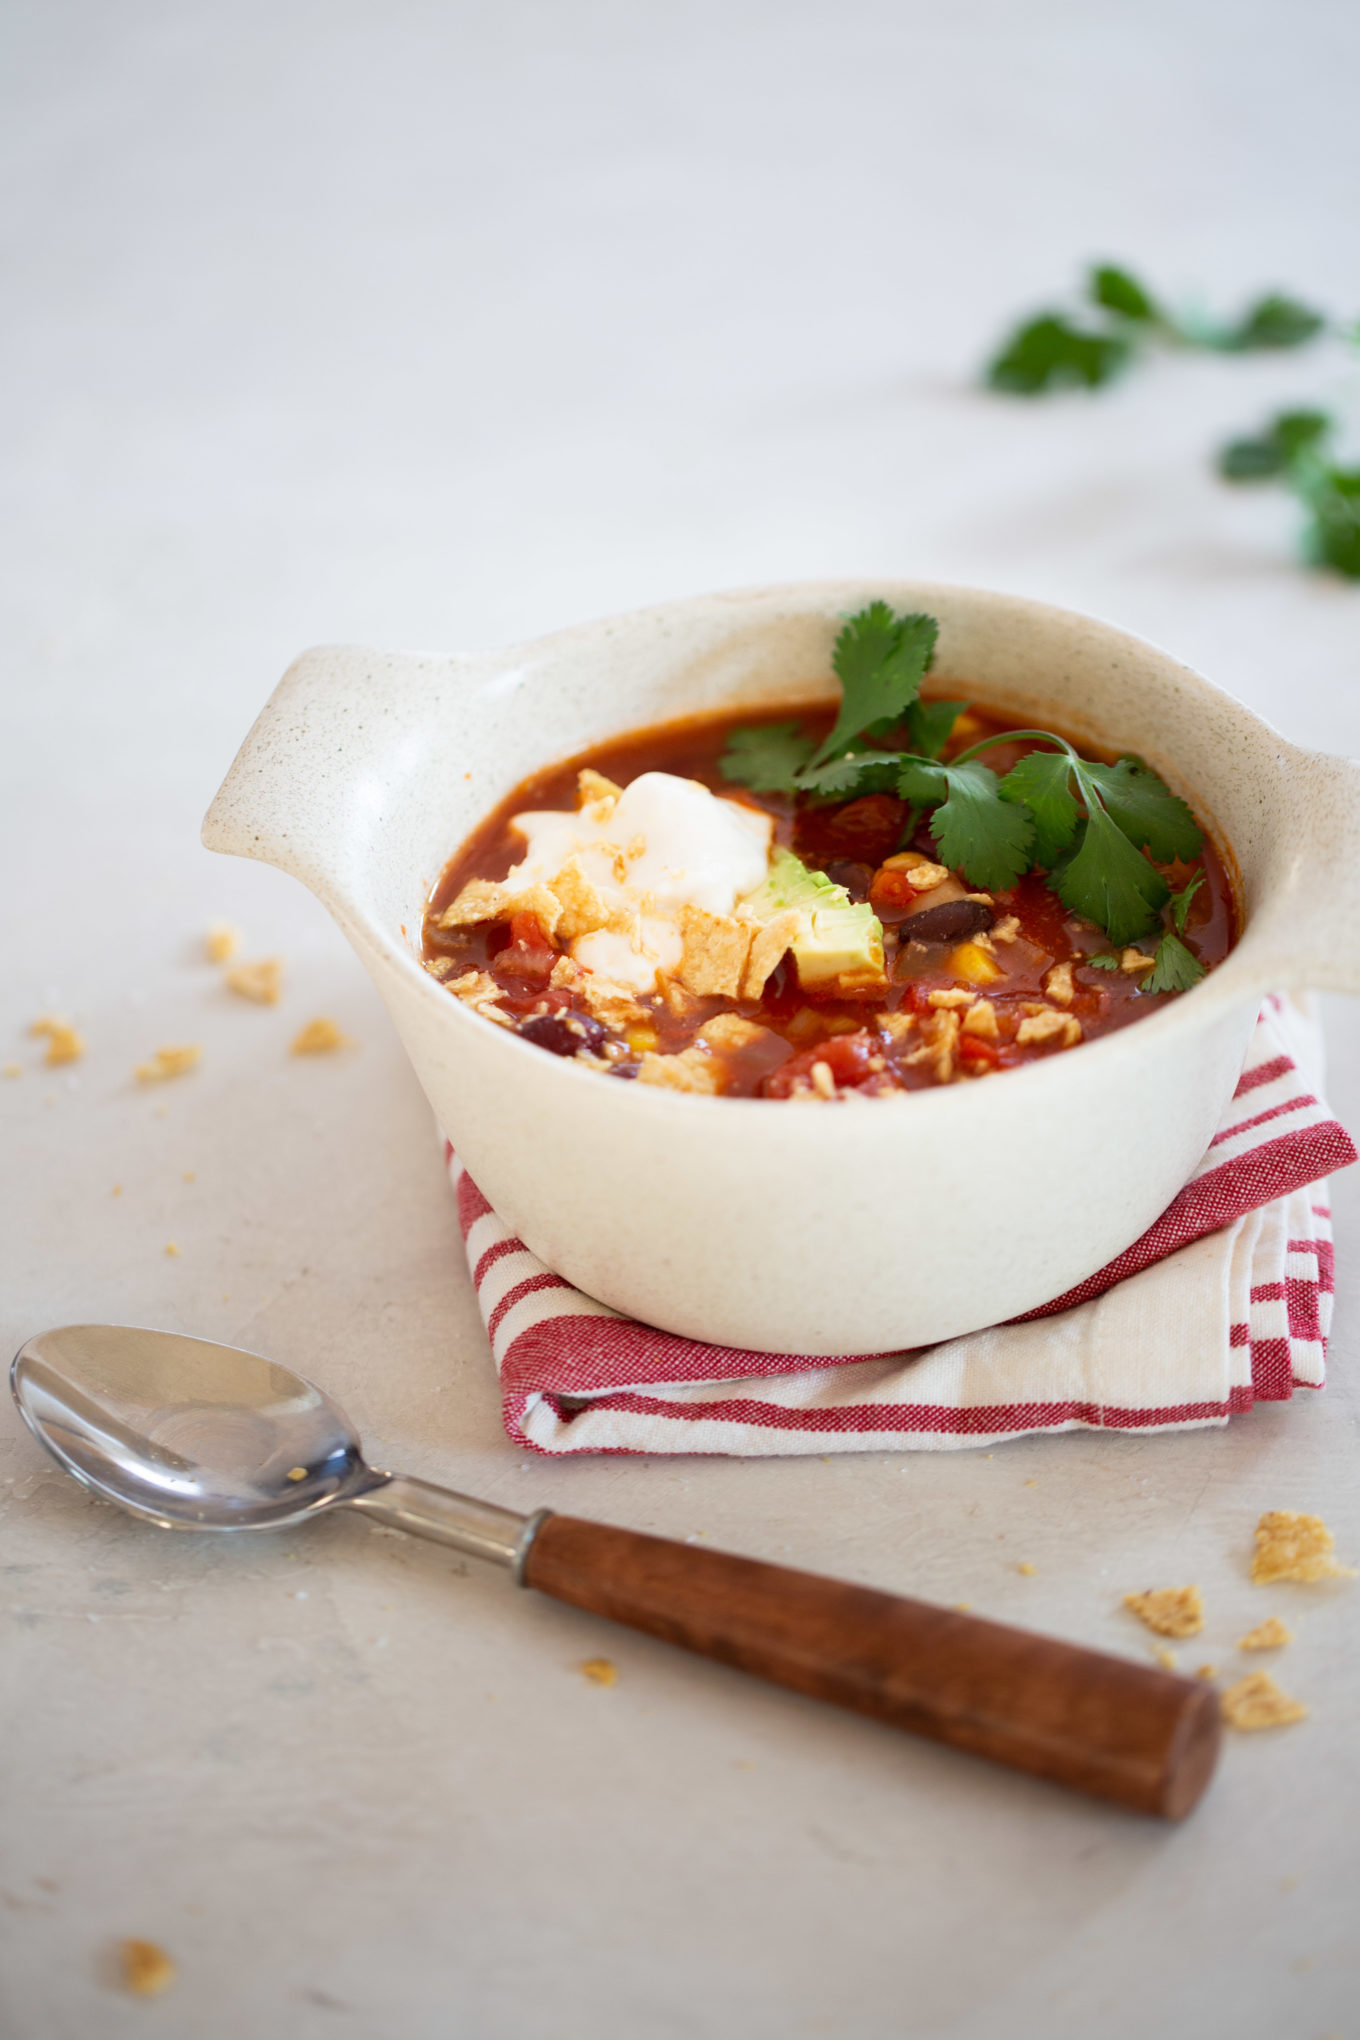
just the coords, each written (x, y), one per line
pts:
(563, 1033)
(954, 921)
(854, 876)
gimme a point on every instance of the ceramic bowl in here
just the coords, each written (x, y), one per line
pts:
(848, 1230)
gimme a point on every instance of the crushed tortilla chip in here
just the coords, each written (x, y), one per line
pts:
(221, 942)
(262, 982)
(1268, 1635)
(1206, 1671)
(1294, 1547)
(1027, 1569)
(601, 1671)
(939, 1043)
(592, 786)
(318, 1037)
(1257, 1702)
(147, 1969)
(64, 1045)
(715, 955)
(692, 1070)
(980, 1021)
(1165, 1658)
(729, 1030)
(1169, 1611)
(769, 945)
(1044, 1024)
(1058, 984)
(169, 1062)
(172, 1250)
(476, 988)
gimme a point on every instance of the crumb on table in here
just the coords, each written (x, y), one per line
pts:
(221, 942)
(64, 1045)
(319, 1037)
(1169, 1611)
(601, 1671)
(1165, 1658)
(1268, 1635)
(1294, 1547)
(1257, 1702)
(169, 1062)
(147, 1969)
(1027, 1569)
(262, 982)
(1206, 1671)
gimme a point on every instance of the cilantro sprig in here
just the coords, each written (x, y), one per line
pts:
(1295, 448)
(1099, 831)
(1121, 319)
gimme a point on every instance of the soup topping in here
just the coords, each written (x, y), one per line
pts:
(831, 908)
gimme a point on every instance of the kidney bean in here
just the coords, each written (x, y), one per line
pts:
(563, 1033)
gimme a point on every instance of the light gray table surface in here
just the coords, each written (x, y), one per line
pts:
(438, 326)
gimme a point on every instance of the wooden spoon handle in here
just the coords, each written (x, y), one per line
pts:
(1104, 1725)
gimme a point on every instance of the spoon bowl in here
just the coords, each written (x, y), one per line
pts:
(185, 1433)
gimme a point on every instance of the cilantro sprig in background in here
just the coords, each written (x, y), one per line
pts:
(1088, 825)
(1120, 320)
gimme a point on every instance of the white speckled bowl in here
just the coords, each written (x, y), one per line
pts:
(854, 1229)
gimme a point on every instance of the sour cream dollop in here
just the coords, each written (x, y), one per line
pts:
(665, 843)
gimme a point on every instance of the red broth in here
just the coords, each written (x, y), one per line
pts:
(942, 1016)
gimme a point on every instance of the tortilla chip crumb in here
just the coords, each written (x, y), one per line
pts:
(1166, 1658)
(172, 1250)
(14, 1069)
(1294, 1547)
(296, 1473)
(169, 1062)
(592, 786)
(147, 1969)
(319, 1037)
(1206, 1671)
(1169, 1611)
(693, 1069)
(1257, 1702)
(262, 982)
(221, 942)
(601, 1671)
(1268, 1635)
(64, 1045)
(1027, 1569)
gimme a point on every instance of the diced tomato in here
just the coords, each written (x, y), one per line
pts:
(847, 1056)
(528, 953)
(916, 995)
(974, 1050)
(867, 829)
(891, 895)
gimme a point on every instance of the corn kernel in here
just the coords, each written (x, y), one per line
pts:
(642, 1040)
(971, 963)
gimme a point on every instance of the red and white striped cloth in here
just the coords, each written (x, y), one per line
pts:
(1224, 1302)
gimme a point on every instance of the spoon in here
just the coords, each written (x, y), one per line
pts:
(195, 1436)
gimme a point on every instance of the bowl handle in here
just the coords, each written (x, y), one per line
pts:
(313, 784)
(1308, 936)
(282, 799)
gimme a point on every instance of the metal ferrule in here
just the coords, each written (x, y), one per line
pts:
(478, 1528)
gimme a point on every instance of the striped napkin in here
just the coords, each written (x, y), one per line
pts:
(1224, 1302)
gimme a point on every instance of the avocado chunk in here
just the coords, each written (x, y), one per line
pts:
(839, 944)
